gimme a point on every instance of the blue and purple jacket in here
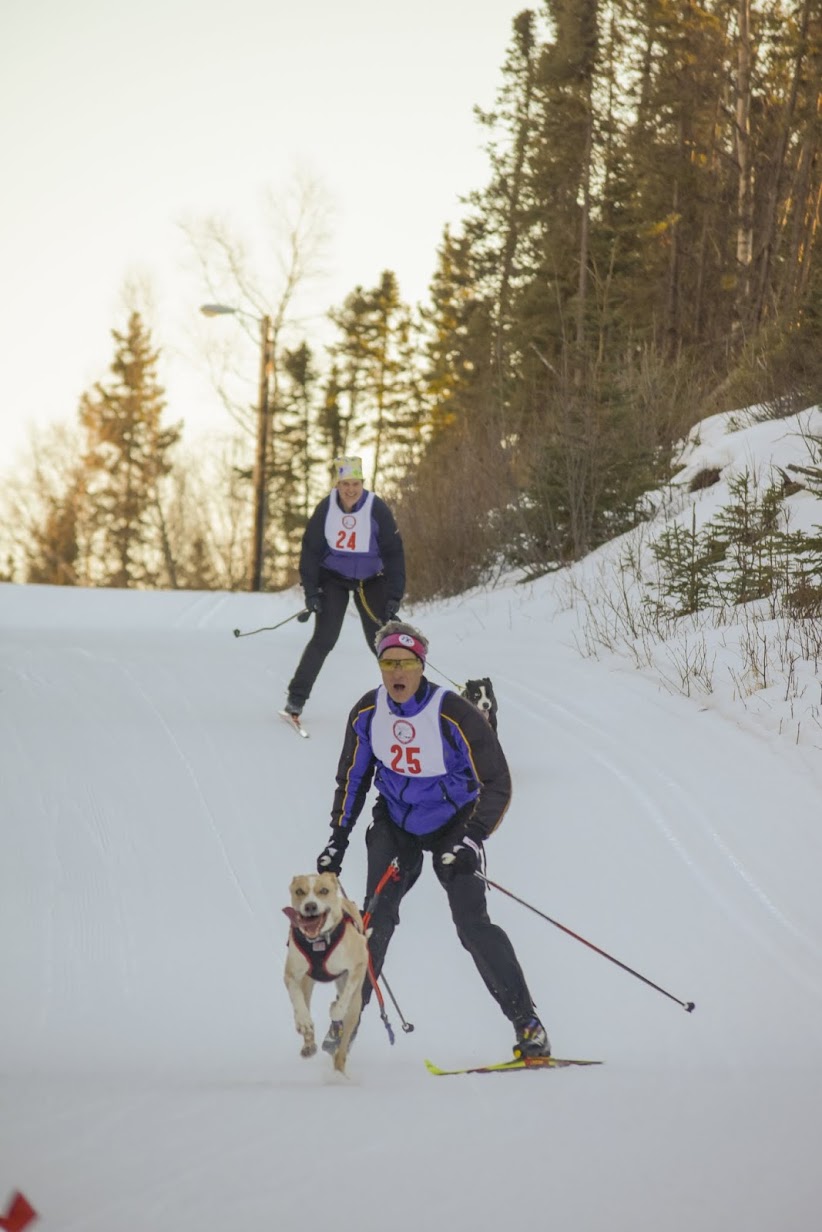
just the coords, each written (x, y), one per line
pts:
(385, 551)
(476, 772)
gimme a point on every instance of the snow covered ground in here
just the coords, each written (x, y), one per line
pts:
(152, 812)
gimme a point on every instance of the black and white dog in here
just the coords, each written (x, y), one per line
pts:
(480, 693)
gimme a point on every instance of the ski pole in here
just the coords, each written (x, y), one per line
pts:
(406, 1026)
(688, 1006)
(392, 873)
(302, 616)
(386, 1021)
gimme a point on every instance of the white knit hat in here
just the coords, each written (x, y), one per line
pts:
(348, 468)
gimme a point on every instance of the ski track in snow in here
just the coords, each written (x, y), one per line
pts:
(192, 774)
(94, 821)
(645, 771)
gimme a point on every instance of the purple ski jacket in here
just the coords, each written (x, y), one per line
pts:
(476, 772)
(385, 554)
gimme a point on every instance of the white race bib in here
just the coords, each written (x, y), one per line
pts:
(409, 745)
(348, 532)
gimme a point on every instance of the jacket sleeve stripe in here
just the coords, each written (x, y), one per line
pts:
(350, 778)
(466, 744)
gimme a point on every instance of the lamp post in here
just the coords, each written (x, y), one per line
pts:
(255, 571)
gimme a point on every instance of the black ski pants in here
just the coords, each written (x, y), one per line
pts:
(369, 599)
(487, 943)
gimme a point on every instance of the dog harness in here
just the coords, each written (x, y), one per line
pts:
(317, 952)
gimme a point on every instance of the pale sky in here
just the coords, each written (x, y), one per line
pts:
(119, 121)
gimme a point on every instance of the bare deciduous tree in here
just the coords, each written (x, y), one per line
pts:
(268, 283)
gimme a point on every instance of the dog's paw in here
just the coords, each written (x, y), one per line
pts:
(309, 1042)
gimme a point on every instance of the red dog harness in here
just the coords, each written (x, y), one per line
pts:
(317, 952)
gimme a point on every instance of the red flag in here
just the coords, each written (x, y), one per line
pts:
(19, 1215)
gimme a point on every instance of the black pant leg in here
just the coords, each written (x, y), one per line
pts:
(386, 842)
(327, 626)
(370, 598)
(488, 945)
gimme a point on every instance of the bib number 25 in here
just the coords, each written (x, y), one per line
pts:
(405, 759)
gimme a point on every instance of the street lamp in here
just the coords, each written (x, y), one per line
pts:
(255, 571)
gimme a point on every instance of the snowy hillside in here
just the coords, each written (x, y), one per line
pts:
(756, 662)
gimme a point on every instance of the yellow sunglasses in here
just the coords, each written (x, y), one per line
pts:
(402, 665)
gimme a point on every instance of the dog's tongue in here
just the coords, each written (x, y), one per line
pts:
(309, 925)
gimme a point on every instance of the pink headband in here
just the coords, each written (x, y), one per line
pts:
(406, 641)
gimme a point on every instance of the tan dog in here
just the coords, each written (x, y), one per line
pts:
(326, 943)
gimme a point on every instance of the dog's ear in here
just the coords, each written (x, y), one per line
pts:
(353, 910)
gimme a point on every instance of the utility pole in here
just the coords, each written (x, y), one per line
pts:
(264, 413)
(255, 581)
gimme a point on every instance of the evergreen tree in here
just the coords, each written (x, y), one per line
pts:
(687, 560)
(376, 382)
(618, 238)
(458, 341)
(53, 554)
(744, 535)
(503, 224)
(44, 511)
(452, 504)
(295, 479)
(333, 425)
(127, 454)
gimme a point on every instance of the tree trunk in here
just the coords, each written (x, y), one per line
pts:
(744, 195)
(770, 232)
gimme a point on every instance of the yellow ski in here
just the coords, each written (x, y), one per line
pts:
(502, 1067)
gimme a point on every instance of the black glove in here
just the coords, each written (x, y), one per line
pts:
(314, 603)
(331, 857)
(464, 857)
(392, 609)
